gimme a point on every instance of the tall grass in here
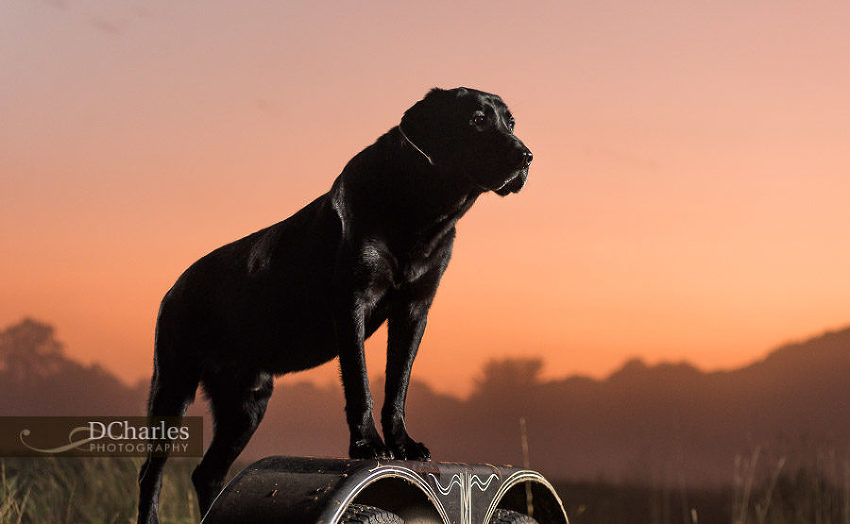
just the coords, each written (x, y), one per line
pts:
(88, 490)
(765, 490)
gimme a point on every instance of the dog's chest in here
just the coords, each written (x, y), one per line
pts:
(391, 270)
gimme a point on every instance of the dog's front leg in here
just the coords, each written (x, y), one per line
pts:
(365, 440)
(406, 326)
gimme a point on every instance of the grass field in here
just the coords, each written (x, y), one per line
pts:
(88, 490)
(103, 490)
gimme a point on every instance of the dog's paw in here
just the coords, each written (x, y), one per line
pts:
(371, 448)
(409, 449)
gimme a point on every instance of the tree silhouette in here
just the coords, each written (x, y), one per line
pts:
(508, 374)
(36, 378)
(29, 351)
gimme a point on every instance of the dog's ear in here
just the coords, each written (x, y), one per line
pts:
(424, 126)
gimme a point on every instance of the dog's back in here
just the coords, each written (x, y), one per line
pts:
(262, 299)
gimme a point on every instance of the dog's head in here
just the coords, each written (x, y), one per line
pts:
(469, 133)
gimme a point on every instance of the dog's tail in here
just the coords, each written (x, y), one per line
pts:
(173, 385)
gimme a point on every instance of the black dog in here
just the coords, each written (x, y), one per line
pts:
(299, 293)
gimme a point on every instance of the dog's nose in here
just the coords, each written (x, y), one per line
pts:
(527, 157)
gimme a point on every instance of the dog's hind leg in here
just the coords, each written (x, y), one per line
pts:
(238, 407)
(172, 390)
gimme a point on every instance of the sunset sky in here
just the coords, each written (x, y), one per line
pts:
(689, 196)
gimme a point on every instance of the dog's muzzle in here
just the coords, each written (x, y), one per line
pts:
(516, 181)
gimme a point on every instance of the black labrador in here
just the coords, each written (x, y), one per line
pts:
(299, 293)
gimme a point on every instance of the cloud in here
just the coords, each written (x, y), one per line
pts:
(105, 26)
(267, 107)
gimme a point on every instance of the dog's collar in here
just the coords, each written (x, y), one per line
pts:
(409, 141)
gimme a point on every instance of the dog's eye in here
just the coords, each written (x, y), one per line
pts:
(478, 119)
(511, 124)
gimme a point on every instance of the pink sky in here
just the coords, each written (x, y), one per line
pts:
(688, 198)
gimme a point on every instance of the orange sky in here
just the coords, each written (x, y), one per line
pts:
(688, 198)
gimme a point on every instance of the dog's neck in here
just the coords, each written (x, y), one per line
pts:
(430, 192)
(433, 236)
(419, 199)
(409, 141)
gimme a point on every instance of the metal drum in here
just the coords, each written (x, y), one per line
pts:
(320, 490)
